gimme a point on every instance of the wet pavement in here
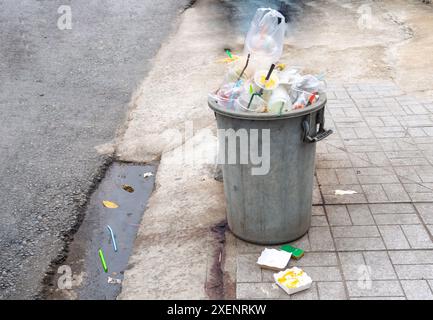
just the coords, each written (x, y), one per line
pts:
(89, 281)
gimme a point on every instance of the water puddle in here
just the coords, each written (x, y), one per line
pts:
(83, 265)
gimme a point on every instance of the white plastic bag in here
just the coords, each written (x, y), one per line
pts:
(303, 88)
(265, 37)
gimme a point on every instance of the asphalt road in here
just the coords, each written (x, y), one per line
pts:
(62, 92)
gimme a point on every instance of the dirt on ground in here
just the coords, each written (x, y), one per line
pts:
(363, 40)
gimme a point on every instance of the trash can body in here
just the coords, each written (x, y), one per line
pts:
(275, 207)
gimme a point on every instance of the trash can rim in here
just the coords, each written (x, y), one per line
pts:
(319, 104)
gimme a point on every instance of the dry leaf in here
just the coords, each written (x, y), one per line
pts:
(128, 188)
(109, 204)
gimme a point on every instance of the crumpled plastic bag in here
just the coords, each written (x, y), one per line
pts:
(265, 37)
(303, 88)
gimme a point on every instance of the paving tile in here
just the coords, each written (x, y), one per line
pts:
(378, 159)
(352, 264)
(407, 174)
(430, 228)
(395, 192)
(268, 275)
(360, 214)
(380, 265)
(394, 237)
(331, 291)
(338, 215)
(426, 212)
(414, 271)
(309, 294)
(316, 259)
(379, 288)
(412, 257)
(323, 273)
(247, 269)
(400, 218)
(303, 242)
(318, 211)
(375, 175)
(319, 221)
(346, 176)
(417, 290)
(391, 208)
(374, 193)
(351, 198)
(417, 236)
(327, 176)
(321, 239)
(260, 291)
(353, 244)
(359, 160)
(246, 247)
(355, 232)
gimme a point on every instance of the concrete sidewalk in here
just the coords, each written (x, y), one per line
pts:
(376, 243)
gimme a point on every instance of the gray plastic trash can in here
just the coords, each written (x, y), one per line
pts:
(275, 207)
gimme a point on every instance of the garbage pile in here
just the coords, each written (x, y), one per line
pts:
(291, 280)
(257, 81)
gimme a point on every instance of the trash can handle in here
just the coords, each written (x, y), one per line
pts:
(321, 134)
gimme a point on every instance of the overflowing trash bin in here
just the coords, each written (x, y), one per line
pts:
(269, 117)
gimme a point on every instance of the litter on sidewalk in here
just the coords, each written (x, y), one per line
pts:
(344, 192)
(293, 280)
(147, 175)
(102, 258)
(296, 252)
(113, 239)
(274, 259)
(114, 280)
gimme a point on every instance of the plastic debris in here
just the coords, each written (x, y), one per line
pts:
(102, 258)
(296, 252)
(113, 239)
(344, 192)
(147, 175)
(128, 188)
(114, 280)
(110, 204)
(274, 259)
(265, 38)
(293, 280)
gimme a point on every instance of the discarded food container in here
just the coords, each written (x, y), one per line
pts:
(293, 280)
(279, 101)
(269, 201)
(274, 259)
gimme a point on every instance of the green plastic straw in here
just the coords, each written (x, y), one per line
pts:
(229, 53)
(104, 264)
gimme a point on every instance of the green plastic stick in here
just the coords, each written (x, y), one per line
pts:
(101, 256)
(229, 53)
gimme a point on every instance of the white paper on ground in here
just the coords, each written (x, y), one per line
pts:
(344, 192)
(274, 259)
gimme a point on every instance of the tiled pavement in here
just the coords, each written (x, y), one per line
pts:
(377, 243)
